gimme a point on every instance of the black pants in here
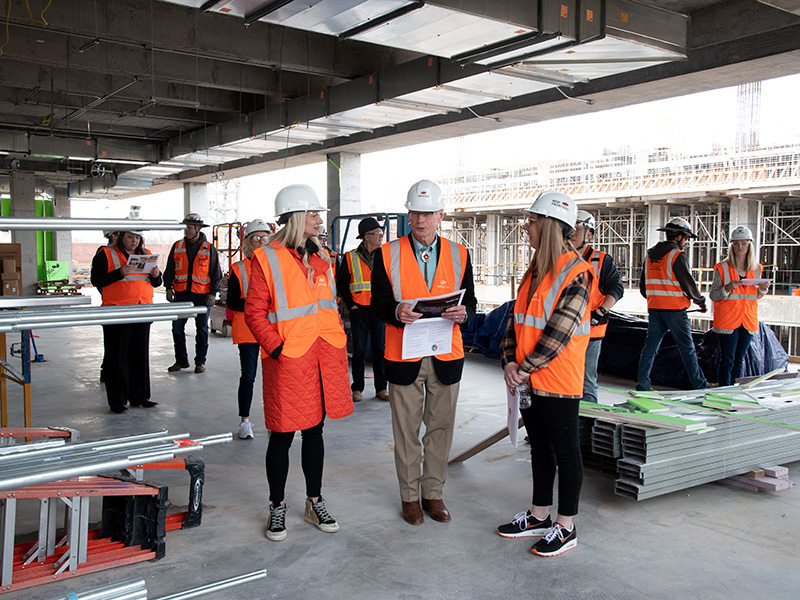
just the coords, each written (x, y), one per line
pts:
(552, 426)
(127, 363)
(312, 457)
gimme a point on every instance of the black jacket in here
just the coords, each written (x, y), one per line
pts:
(385, 307)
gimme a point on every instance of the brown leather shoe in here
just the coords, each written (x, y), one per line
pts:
(437, 510)
(412, 513)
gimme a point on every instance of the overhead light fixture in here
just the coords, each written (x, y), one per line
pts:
(533, 74)
(418, 106)
(174, 102)
(89, 45)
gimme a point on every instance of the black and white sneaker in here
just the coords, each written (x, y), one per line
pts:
(525, 525)
(317, 514)
(276, 522)
(557, 541)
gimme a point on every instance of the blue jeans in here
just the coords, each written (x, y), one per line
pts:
(201, 327)
(248, 359)
(590, 373)
(365, 325)
(677, 323)
(733, 347)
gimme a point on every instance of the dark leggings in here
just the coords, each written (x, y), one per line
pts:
(552, 426)
(312, 456)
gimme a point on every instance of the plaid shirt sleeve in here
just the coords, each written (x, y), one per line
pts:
(558, 331)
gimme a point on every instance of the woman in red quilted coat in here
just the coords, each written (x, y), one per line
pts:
(291, 311)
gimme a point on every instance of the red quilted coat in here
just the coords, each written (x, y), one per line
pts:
(293, 387)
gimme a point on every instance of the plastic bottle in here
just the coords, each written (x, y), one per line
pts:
(524, 391)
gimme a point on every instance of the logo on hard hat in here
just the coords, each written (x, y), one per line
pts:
(423, 193)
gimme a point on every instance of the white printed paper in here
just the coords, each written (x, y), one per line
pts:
(754, 281)
(143, 263)
(428, 337)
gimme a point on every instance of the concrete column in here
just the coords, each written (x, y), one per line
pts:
(744, 211)
(656, 217)
(23, 204)
(344, 185)
(63, 239)
(493, 273)
(195, 200)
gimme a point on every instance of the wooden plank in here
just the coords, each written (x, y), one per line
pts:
(639, 418)
(758, 380)
(776, 471)
(483, 444)
(647, 405)
(766, 484)
(729, 415)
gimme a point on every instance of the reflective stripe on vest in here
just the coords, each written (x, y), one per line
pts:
(360, 279)
(201, 279)
(663, 290)
(596, 297)
(740, 308)
(564, 374)
(240, 332)
(134, 288)
(408, 283)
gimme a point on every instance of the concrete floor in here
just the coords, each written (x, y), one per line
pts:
(709, 542)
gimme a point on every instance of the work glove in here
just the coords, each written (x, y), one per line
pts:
(170, 295)
(598, 319)
(702, 305)
(210, 299)
(276, 353)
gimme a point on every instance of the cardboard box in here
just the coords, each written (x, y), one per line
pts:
(11, 288)
(11, 252)
(9, 265)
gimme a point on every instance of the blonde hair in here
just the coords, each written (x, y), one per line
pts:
(552, 245)
(749, 259)
(292, 236)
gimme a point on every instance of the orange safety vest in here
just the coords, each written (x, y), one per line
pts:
(662, 288)
(741, 307)
(408, 282)
(201, 280)
(300, 313)
(564, 374)
(360, 279)
(240, 333)
(596, 297)
(134, 288)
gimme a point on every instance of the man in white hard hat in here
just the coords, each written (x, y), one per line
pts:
(667, 283)
(192, 275)
(422, 390)
(354, 285)
(606, 290)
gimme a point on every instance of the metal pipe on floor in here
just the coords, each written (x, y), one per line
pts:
(215, 587)
(131, 589)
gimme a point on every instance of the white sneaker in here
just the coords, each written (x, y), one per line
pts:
(245, 430)
(317, 514)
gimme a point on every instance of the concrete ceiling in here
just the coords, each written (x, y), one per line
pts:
(172, 91)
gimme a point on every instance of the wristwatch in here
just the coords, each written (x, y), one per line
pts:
(602, 310)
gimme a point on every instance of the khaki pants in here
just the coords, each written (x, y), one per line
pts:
(427, 401)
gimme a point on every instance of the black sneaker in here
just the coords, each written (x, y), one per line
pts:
(276, 522)
(317, 514)
(525, 525)
(557, 541)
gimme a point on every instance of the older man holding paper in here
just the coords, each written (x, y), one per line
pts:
(414, 277)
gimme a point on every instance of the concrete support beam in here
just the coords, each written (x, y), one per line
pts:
(195, 199)
(745, 211)
(23, 204)
(493, 272)
(344, 185)
(63, 239)
(656, 217)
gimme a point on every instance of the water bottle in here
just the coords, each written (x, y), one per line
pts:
(524, 391)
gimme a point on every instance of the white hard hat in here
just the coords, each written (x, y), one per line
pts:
(255, 225)
(108, 233)
(322, 232)
(741, 233)
(556, 205)
(586, 219)
(296, 198)
(425, 196)
(678, 225)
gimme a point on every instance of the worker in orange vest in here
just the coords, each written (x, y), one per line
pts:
(543, 356)
(735, 304)
(422, 389)
(354, 284)
(127, 345)
(192, 275)
(291, 311)
(256, 234)
(670, 289)
(607, 289)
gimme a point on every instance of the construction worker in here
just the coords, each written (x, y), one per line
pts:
(354, 284)
(543, 356)
(291, 311)
(422, 390)
(127, 346)
(192, 275)
(607, 289)
(736, 305)
(670, 289)
(256, 234)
